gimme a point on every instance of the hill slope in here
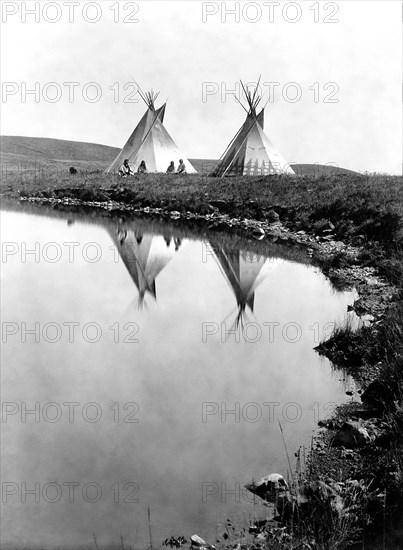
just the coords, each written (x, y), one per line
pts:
(25, 153)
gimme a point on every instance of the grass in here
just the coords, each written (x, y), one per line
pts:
(365, 207)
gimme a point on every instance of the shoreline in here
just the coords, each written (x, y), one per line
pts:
(357, 262)
(374, 293)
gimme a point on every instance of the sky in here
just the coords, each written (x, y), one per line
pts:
(330, 74)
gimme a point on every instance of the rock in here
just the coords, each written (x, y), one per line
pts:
(268, 488)
(351, 436)
(197, 541)
(223, 206)
(324, 491)
(272, 216)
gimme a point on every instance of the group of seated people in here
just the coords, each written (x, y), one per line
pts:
(126, 170)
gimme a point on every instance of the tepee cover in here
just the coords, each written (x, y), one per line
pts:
(151, 142)
(136, 137)
(251, 153)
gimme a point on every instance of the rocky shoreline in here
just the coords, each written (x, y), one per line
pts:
(375, 293)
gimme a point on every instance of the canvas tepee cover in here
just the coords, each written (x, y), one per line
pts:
(151, 142)
(251, 153)
(136, 137)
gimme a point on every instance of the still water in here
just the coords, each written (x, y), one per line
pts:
(157, 370)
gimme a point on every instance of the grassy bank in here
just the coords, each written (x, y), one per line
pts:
(368, 207)
(365, 212)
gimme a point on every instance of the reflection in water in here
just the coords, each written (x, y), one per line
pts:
(143, 257)
(241, 269)
(171, 453)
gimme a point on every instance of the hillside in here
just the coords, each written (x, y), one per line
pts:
(26, 153)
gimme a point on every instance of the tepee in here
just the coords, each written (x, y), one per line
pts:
(241, 269)
(143, 259)
(251, 153)
(151, 142)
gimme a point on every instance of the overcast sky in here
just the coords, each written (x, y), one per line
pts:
(347, 72)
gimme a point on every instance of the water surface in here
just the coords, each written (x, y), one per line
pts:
(141, 393)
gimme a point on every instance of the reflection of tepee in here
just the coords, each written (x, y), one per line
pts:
(143, 259)
(241, 269)
(150, 142)
(251, 153)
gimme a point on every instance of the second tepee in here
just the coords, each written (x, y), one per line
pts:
(251, 153)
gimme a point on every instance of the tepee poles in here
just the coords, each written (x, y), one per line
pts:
(251, 152)
(235, 156)
(149, 99)
(251, 112)
(253, 100)
(238, 132)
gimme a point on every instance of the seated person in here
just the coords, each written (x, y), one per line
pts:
(171, 168)
(142, 169)
(181, 168)
(125, 170)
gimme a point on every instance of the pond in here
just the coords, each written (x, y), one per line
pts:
(148, 374)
